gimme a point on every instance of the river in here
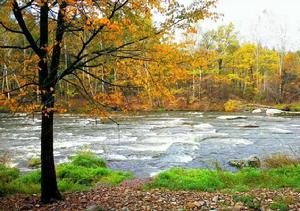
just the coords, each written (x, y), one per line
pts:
(149, 143)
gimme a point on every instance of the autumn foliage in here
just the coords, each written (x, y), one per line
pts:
(156, 74)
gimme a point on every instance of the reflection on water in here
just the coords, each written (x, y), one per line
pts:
(151, 143)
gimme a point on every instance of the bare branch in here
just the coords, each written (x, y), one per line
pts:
(85, 44)
(20, 87)
(60, 30)
(27, 5)
(10, 29)
(107, 82)
(19, 17)
(89, 98)
(14, 47)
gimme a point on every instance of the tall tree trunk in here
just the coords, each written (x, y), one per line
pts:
(48, 181)
(6, 80)
(49, 190)
(220, 64)
(200, 84)
(280, 62)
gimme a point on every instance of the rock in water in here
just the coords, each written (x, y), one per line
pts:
(257, 111)
(238, 163)
(249, 125)
(280, 131)
(231, 117)
(273, 112)
(253, 162)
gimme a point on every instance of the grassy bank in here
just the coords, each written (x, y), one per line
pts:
(82, 173)
(85, 170)
(213, 180)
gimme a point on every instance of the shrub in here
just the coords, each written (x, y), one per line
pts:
(233, 105)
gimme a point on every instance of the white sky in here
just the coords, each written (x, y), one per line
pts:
(266, 21)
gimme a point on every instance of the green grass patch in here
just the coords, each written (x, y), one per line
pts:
(88, 159)
(212, 180)
(82, 173)
(192, 179)
(7, 176)
(279, 206)
(291, 107)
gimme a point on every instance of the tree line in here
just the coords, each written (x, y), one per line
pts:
(209, 67)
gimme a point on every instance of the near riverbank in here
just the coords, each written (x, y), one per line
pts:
(89, 185)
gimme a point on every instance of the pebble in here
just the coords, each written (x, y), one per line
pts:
(238, 206)
(215, 199)
(190, 205)
(200, 203)
(94, 208)
(83, 200)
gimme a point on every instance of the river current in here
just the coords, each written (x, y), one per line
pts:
(152, 142)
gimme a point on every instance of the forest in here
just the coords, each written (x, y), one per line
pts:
(135, 105)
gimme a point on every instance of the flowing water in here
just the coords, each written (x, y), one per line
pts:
(150, 143)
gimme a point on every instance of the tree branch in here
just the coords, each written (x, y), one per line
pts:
(27, 5)
(19, 17)
(89, 98)
(10, 29)
(14, 47)
(107, 82)
(20, 87)
(85, 44)
(60, 29)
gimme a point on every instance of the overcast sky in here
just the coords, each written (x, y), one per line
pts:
(266, 21)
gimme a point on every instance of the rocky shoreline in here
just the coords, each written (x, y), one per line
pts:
(130, 196)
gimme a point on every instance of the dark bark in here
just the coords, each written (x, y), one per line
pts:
(220, 64)
(49, 190)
